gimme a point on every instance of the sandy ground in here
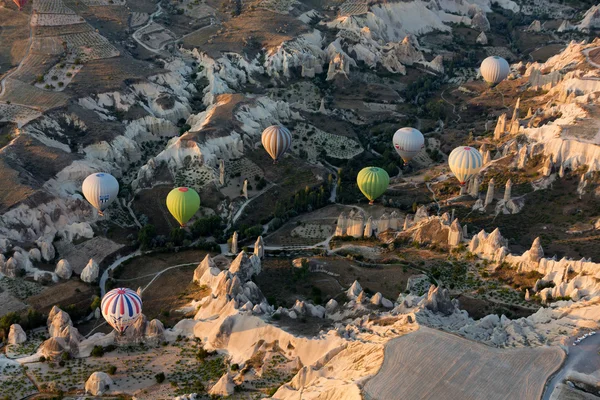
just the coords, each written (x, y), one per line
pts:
(429, 364)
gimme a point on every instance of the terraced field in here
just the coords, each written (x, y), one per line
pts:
(89, 46)
(34, 65)
(46, 45)
(354, 7)
(458, 368)
(21, 93)
(55, 19)
(51, 7)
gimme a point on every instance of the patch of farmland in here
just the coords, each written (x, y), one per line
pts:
(46, 45)
(198, 10)
(55, 19)
(155, 35)
(89, 46)
(243, 168)
(312, 231)
(194, 174)
(312, 140)
(458, 368)
(34, 65)
(20, 93)
(104, 2)
(138, 19)
(18, 114)
(51, 7)
(59, 76)
(14, 38)
(354, 7)
(279, 6)
(59, 30)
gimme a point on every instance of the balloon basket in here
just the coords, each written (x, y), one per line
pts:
(371, 202)
(275, 162)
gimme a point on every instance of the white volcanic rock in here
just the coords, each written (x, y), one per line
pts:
(438, 301)
(535, 26)
(387, 303)
(155, 329)
(35, 254)
(245, 267)
(224, 386)
(53, 347)
(259, 247)
(305, 51)
(63, 269)
(98, 383)
(207, 264)
(16, 334)
(9, 267)
(482, 39)
(480, 22)
(90, 272)
(455, 235)
(354, 290)
(565, 26)
(57, 321)
(331, 306)
(591, 19)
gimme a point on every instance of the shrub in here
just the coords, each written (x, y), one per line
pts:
(97, 351)
(160, 378)
(112, 369)
(235, 367)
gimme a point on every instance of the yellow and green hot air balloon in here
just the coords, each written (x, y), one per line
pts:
(372, 182)
(183, 203)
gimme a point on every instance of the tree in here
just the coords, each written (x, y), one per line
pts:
(6, 321)
(177, 236)
(146, 234)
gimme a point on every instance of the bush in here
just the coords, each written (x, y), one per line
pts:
(112, 369)
(235, 367)
(160, 378)
(42, 359)
(97, 351)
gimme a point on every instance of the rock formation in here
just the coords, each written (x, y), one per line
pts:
(368, 228)
(438, 301)
(35, 255)
(206, 264)
(489, 197)
(53, 347)
(222, 172)
(500, 129)
(508, 190)
(547, 168)
(224, 386)
(234, 243)
(480, 22)
(57, 321)
(245, 267)
(482, 39)
(341, 226)
(474, 192)
(354, 290)
(16, 335)
(155, 330)
(98, 383)
(259, 248)
(383, 224)
(245, 189)
(455, 236)
(90, 272)
(487, 158)
(522, 158)
(421, 214)
(63, 269)
(356, 224)
(535, 26)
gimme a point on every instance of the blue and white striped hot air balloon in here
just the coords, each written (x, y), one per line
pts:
(494, 69)
(276, 140)
(100, 189)
(121, 307)
(465, 162)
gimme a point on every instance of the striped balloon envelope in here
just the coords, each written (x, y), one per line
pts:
(494, 70)
(465, 162)
(276, 140)
(121, 307)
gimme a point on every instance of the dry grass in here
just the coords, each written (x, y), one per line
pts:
(457, 368)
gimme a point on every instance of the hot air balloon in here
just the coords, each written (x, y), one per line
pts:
(408, 142)
(372, 182)
(465, 162)
(100, 190)
(20, 3)
(276, 140)
(494, 70)
(183, 203)
(121, 307)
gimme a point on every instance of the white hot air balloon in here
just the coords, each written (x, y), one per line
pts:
(465, 162)
(408, 142)
(494, 70)
(100, 189)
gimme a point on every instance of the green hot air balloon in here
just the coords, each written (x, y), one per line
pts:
(183, 203)
(372, 182)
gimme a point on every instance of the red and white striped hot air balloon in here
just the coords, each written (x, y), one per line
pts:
(121, 307)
